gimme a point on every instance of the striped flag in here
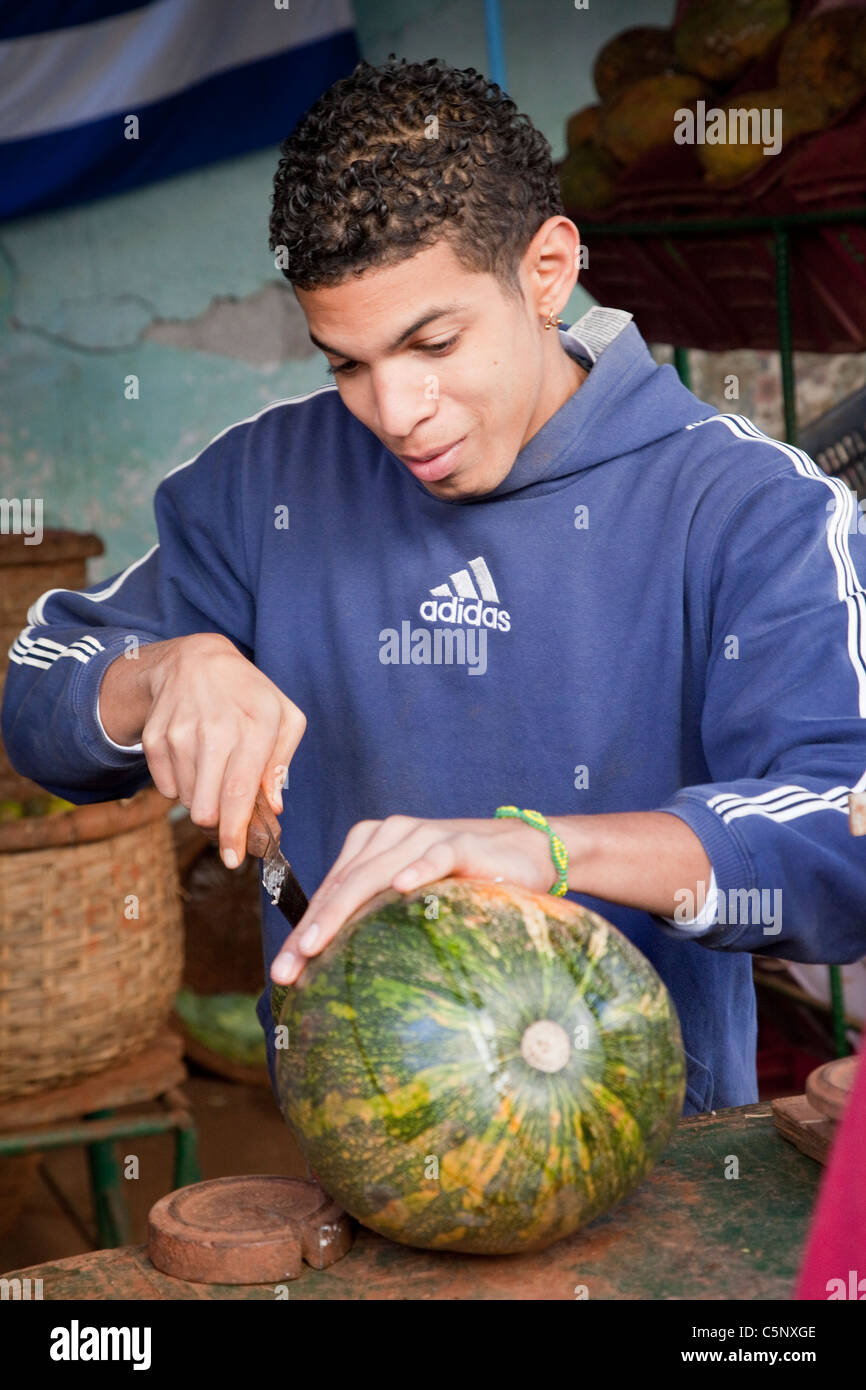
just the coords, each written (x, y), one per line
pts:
(100, 96)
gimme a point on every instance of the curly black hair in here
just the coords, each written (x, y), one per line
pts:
(393, 158)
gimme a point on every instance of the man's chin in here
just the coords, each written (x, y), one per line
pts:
(451, 489)
(465, 483)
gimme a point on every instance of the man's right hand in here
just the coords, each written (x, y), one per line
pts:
(213, 728)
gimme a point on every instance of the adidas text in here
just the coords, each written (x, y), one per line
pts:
(472, 611)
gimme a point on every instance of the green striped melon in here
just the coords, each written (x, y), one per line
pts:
(475, 1067)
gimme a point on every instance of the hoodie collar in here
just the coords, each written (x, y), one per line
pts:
(555, 449)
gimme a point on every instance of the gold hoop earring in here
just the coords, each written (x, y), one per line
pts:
(552, 321)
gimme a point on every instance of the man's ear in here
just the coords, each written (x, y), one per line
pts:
(551, 264)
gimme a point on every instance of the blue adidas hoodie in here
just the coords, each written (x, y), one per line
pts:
(657, 609)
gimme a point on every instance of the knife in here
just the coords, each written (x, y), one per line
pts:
(278, 878)
(263, 841)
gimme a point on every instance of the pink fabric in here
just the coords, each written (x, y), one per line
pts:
(836, 1244)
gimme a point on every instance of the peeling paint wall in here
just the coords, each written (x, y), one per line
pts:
(90, 297)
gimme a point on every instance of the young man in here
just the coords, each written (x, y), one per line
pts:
(495, 562)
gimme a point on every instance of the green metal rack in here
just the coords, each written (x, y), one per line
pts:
(782, 227)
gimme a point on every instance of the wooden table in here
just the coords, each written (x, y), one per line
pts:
(688, 1232)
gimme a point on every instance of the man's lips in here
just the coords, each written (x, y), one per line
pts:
(432, 466)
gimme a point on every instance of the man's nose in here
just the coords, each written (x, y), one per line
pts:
(403, 400)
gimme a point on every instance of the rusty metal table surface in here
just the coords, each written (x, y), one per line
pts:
(689, 1231)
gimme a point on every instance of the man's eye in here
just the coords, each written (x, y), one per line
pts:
(349, 367)
(440, 347)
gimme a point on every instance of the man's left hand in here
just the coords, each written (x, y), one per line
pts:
(405, 852)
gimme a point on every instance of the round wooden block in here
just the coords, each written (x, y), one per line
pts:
(829, 1086)
(246, 1230)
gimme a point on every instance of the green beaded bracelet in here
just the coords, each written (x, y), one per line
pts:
(557, 848)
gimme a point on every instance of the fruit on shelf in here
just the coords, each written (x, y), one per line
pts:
(802, 112)
(581, 126)
(719, 38)
(644, 51)
(826, 56)
(587, 178)
(643, 115)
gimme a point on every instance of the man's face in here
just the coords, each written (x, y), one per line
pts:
(431, 356)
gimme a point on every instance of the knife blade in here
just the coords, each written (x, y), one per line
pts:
(278, 878)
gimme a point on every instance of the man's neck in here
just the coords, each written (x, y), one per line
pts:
(566, 377)
(571, 376)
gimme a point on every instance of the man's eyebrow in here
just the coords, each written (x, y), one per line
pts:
(437, 312)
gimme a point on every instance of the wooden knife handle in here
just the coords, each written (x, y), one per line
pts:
(262, 820)
(257, 836)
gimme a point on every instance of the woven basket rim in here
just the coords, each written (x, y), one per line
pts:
(57, 546)
(100, 820)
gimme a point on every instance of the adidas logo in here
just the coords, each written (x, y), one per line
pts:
(469, 597)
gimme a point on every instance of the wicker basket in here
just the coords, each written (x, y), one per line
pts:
(82, 984)
(59, 561)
